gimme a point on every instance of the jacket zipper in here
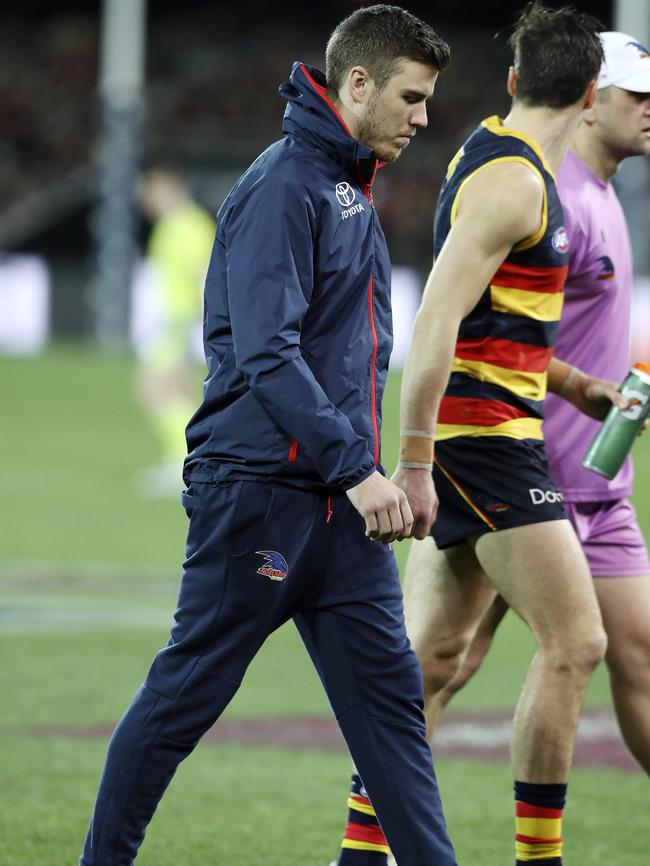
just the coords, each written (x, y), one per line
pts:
(373, 384)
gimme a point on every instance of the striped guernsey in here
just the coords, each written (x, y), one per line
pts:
(498, 378)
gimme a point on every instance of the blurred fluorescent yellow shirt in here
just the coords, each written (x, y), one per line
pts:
(179, 248)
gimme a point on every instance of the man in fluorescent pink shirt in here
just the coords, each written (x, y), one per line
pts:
(594, 337)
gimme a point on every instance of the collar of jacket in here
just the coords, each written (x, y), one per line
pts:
(310, 113)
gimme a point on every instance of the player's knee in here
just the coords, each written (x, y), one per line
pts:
(593, 650)
(442, 663)
(471, 663)
(580, 655)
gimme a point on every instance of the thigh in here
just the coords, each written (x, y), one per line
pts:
(542, 573)
(446, 593)
(240, 579)
(625, 607)
(353, 622)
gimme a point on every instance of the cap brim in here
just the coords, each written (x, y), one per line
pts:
(637, 83)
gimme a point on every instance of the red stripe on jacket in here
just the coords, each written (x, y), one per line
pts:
(322, 92)
(373, 393)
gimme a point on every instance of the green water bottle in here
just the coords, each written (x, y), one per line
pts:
(613, 442)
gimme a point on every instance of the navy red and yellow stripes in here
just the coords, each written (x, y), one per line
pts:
(472, 410)
(526, 277)
(538, 833)
(362, 830)
(505, 344)
(505, 353)
(363, 843)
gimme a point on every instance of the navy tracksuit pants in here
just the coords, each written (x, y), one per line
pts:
(259, 554)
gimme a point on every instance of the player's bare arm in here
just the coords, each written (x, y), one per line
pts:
(590, 395)
(499, 207)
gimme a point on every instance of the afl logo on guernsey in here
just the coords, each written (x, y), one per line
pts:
(560, 240)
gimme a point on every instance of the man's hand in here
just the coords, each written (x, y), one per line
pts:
(384, 507)
(421, 495)
(592, 396)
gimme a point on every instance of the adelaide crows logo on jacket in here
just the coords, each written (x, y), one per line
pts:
(275, 565)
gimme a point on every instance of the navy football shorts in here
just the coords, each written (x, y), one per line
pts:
(491, 483)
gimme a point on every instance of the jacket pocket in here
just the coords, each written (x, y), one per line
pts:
(252, 509)
(231, 513)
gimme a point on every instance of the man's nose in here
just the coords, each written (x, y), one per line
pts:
(419, 116)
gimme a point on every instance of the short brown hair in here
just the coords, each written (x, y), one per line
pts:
(378, 38)
(558, 52)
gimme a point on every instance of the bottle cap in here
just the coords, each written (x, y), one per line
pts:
(645, 368)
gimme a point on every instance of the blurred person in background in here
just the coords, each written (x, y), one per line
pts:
(179, 250)
(290, 513)
(594, 335)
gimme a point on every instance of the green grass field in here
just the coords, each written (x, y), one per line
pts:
(88, 574)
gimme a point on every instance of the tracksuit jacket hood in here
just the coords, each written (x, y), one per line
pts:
(297, 325)
(312, 114)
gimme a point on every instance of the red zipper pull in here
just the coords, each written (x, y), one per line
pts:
(329, 509)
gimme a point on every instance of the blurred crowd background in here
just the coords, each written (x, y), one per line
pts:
(210, 105)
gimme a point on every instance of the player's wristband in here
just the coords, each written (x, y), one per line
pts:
(416, 449)
(565, 387)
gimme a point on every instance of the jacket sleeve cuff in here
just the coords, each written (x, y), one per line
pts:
(357, 477)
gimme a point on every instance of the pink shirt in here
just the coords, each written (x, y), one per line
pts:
(595, 327)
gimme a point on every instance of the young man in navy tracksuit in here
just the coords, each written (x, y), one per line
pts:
(290, 514)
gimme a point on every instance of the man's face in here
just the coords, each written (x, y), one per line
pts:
(623, 120)
(393, 114)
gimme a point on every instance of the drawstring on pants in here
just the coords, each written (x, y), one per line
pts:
(329, 509)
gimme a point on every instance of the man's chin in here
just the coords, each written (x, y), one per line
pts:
(387, 156)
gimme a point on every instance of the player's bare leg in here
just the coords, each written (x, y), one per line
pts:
(471, 661)
(625, 607)
(446, 595)
(542, 573)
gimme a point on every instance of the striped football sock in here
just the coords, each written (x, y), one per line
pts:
(364, 843)
(538, 823)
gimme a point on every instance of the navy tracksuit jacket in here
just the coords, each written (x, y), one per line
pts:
(297, 338)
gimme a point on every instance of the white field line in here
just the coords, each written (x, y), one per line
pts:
(46, 568)
(50, 596)
(494, 734)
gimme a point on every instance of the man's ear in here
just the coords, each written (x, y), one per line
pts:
(512, 81)
(591, 94)
(589, 115)
(358, 87)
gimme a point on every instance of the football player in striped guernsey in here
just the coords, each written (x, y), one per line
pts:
(479, 367)
(594, 335)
